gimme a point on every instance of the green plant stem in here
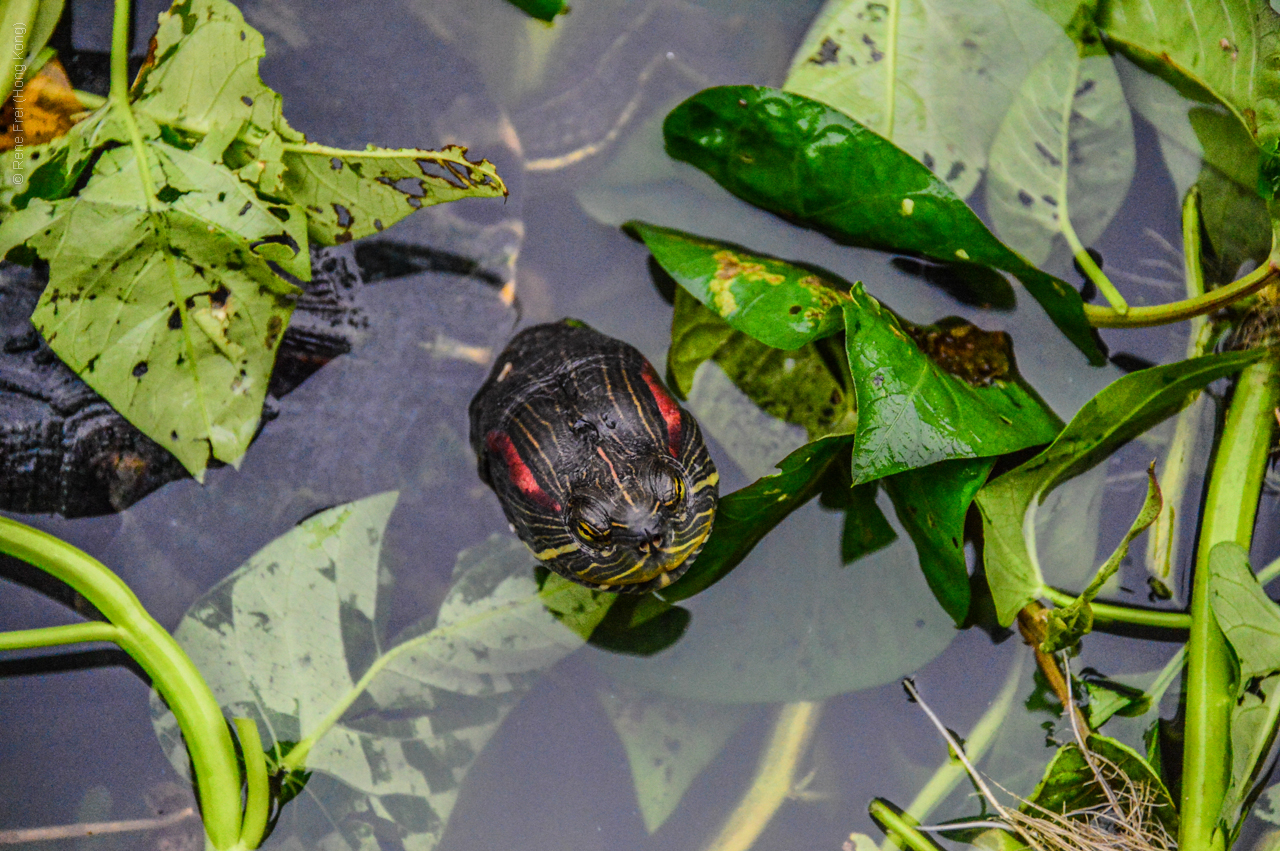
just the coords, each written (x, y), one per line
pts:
(980, 738)
(89, 100)
(257, 799)
(1162, 540)
(174, 675)
(900, 827)
(1106, 613)
(1119, 306)
(15, 13)
(1269, 572)
(52, 636)
(1230, 509)
(1164, 314)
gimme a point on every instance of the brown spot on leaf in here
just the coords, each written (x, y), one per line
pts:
(964, 350)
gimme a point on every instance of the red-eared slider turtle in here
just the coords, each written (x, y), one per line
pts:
(64, 449)
(598, 469)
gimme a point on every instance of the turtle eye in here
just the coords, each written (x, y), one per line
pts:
(590, 533)
(675, 492)
(590, 522)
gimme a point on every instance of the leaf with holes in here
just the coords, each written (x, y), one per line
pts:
(350, 194)
(820, 168)
(932, 76)
(173, 314)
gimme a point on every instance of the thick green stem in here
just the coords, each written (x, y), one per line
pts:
(15, 14)
(1164, 314)
(1109, 613)
(1231, 506)
(257, 799)
(174, 675)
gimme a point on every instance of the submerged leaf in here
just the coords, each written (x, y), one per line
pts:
(1123, 410)
(1064, 157)
(932, 76)
(818, 167)
(668, 742)
(295, 632)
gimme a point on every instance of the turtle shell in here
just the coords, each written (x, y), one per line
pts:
(601, 473)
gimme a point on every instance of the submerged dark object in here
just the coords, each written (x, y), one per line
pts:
(598, 469)
(63, 449)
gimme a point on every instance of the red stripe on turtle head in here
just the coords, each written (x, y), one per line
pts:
(668, 408)
(499, 442)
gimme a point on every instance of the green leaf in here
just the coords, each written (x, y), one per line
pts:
(1250, 621)
(202, 74)
(803, 386)
(931, 503)
(912, 409)
(816, 166)
(543, 10)
(1069, 784)
(162, 293)
(167, 313)
(296, 632)
(668, 743)
(932, 76)
(745, 516)
(1064, 157)
(351, 194)
(1123, 410)
(1066, 626)
(934, 393)
(1206, 48)
(812, 633)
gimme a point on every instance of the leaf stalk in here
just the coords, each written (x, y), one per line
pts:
(1164, 314)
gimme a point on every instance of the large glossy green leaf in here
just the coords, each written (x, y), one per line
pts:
(1250, 621)
(668, 742)
(817, 166)
(912, 410)
(290, 634)
(1063, 158)
(931, 503)
(1123, 410)
(932, 76)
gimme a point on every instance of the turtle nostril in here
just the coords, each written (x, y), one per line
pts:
(656, 541)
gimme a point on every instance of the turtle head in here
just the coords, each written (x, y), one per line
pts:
(637, 522)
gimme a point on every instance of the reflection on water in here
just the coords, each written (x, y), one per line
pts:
(571, 115)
